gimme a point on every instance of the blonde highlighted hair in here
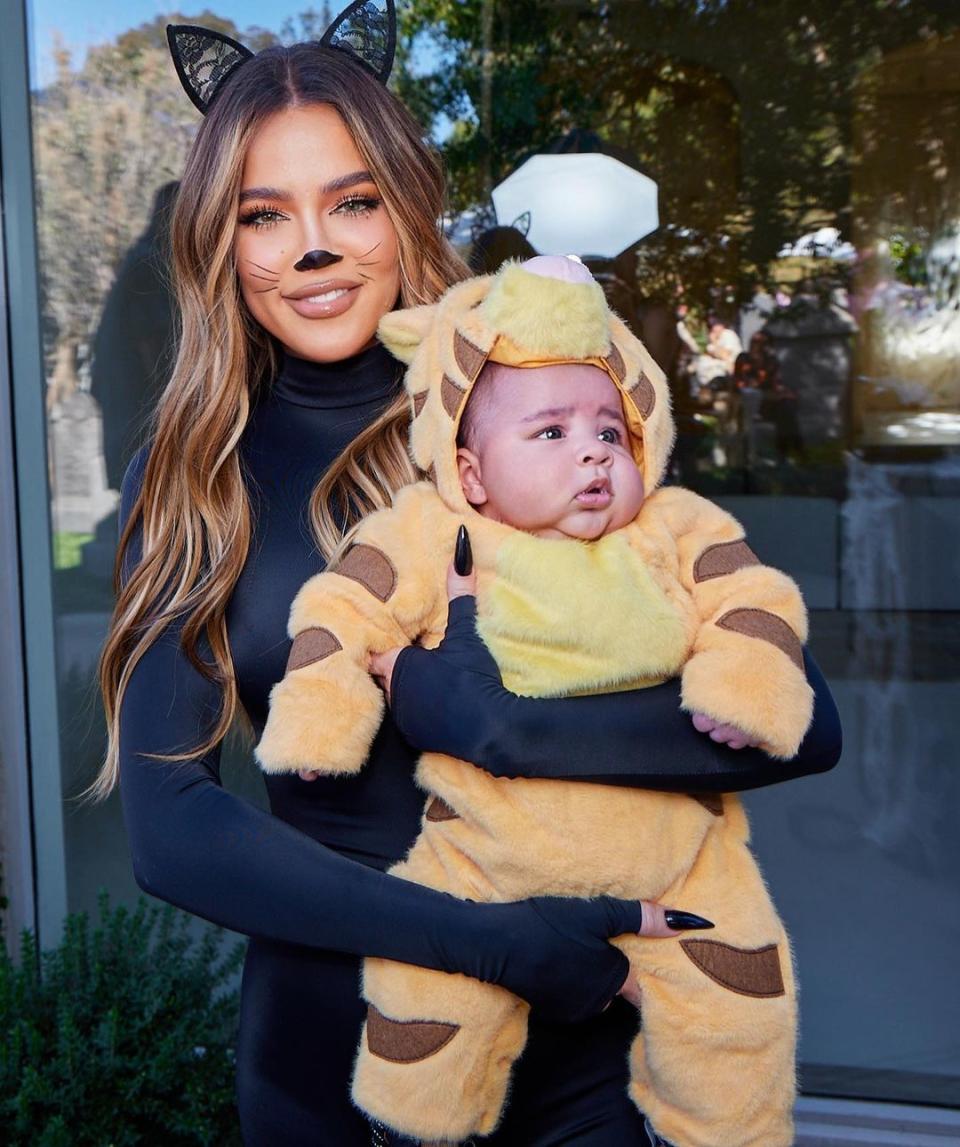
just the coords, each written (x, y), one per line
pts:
(192, 508)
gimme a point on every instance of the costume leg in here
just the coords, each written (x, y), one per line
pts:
(713, 1064)
(437, 1049)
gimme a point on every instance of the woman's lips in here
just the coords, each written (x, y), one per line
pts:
(323, 300)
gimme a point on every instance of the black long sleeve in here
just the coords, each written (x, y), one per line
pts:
(284, 877)
(214, 854)
(451, 700)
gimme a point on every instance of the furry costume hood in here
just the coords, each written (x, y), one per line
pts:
(547, 310)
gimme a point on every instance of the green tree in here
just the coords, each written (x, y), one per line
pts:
(742, 110)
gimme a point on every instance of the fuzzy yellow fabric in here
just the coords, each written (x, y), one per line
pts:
(713, 1064)
(445, 345)
(604, 624)
(557, 318)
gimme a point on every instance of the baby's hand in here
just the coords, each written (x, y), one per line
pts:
(723, 734)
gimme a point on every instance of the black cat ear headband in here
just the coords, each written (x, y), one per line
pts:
(205, 59)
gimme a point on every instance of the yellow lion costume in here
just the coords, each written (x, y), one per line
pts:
(677, 591)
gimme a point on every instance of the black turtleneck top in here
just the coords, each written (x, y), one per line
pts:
(310, 871)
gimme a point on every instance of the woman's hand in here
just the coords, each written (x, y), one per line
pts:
(555, 953)
(381, 665)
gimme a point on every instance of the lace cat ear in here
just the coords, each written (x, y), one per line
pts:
(203, 59)
(368, 31)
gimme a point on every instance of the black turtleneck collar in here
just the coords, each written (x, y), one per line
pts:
(372, 375)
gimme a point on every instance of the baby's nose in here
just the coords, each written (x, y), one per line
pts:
(595, 452)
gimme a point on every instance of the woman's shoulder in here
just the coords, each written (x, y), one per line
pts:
(132, 482)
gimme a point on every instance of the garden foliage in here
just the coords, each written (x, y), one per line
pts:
(122, 1035)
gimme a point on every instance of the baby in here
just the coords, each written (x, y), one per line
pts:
(544, 425)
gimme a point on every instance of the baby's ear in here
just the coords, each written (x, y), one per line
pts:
(401, 332)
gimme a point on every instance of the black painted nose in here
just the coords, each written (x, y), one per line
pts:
(316, 260)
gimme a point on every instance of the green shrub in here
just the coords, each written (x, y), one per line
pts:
(122, 1035)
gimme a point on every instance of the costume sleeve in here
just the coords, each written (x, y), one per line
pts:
(746, 665)
(209, 852)
(325, 712)
(451, 700)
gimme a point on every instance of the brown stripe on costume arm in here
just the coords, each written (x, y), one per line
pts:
(746, 668)
(326, 711)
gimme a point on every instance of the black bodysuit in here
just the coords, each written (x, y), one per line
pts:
(307, 883)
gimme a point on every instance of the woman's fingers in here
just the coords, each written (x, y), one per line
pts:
(630, 990)
(659, 921)
(307, 774)
(461, 578)
(380, 666)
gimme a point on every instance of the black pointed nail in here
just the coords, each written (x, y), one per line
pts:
(463, 555)
(682, 921)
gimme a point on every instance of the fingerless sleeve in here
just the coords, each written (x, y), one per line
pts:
(451, 700)
(216, 855)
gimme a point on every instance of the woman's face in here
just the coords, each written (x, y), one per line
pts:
(316, 251)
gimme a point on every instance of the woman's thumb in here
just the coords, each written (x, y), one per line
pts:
(461, 579)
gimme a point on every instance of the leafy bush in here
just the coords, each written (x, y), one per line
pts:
(122, 1035)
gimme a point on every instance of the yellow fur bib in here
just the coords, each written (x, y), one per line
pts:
(564, 617)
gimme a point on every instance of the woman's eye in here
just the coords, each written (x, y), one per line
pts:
(260, 217)
(551, 433)
(609, 435)
(358, 205)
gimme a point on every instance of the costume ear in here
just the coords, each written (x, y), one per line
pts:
(368, 31)
(401, 332)
(203, 59)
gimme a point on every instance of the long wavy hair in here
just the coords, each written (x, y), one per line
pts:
(193, 508)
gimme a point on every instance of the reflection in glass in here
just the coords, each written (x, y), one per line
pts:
(802, 293)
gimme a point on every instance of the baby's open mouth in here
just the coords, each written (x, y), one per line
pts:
(598, 493)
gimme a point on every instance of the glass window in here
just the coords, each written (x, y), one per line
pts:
(799, 285)
(775, 211)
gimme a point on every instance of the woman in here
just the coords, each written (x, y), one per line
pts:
(308, 206)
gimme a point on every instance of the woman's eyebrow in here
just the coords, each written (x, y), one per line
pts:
(263, 193)
(344, 181)
(351, 179)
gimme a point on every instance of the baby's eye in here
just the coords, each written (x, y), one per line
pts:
(611, 434)
(551, 433)
(260, 217)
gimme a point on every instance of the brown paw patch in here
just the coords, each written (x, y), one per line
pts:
(615, 363)
(405, 1041)
(644, 396)
(438, 809)
(723, 558)
(712, 802)
(767, 627)
(469, 357)
(311, 645)
(746, 971)
(418, 402)
(451, 395)
(371, 568)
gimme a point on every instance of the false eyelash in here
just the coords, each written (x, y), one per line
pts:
(367, 202)
(252, 216)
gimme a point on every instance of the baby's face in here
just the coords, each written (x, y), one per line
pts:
(550, 453)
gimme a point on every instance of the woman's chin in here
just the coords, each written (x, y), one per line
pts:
(329, 345)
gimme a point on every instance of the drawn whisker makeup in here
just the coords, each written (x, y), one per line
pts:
(265, 290)
(265, 278)
(269, 270)
(361, 263)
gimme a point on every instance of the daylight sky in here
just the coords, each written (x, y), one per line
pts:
(81, 23)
